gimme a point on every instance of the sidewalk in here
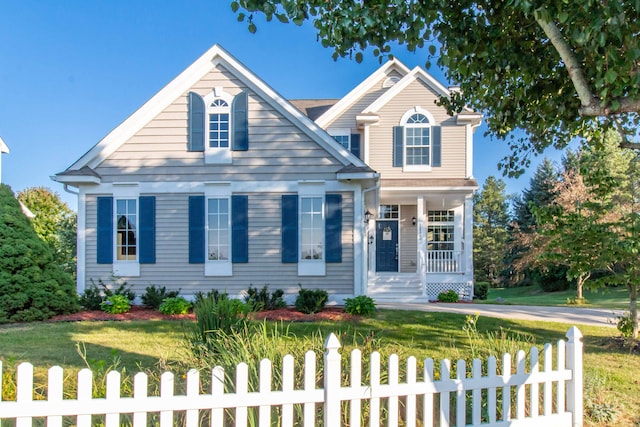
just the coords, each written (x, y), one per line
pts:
(572, 315)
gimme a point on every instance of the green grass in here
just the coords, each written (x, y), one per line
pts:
(611, 298)
(142, 344)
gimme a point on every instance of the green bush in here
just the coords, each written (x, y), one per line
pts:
(154, 296)
(32, 286)
(361, 305)
(175, 305)
(214, 293)
(91, 298)
(311, 301)
(261, 299)
(115, 304)
(215, 315)
(449, 296)
(625, 324)
(117, 288)
(481, 290)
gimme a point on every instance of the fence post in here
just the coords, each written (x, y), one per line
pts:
(331, 381)
(574, 386)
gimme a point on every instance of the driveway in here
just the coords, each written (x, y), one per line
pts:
(572, 315)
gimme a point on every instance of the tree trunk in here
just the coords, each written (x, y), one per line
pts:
(579, 284)
(633, 307)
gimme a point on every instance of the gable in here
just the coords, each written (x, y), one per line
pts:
(161, 119)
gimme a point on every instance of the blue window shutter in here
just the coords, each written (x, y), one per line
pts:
(240, 111)
(195, 123)
(333, 227)
(240, 229)
(196, 230)
(289, 228)
(104, 235)
(355, 145)
(398, 146)
(147, 229)
(436, 140)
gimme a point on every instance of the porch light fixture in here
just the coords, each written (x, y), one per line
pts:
(367, 217)
(413, 220)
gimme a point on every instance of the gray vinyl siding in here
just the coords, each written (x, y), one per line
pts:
(347, 120)
(408, 239)
(278, 150)
(172, 268)
(381, 136)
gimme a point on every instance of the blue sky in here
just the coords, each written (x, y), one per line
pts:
(71, 70)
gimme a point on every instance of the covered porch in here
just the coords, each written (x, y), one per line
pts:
(420, 243)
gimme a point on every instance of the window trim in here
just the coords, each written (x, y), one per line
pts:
(405, 125)
(217, 155)
(126, 268)
(450, 213)
(312, 267)
(217, 267)
(341, 132)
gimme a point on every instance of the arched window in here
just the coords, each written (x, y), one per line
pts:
(219, 123)
(417, 140)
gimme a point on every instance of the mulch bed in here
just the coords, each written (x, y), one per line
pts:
(621, 344)
(288, 314)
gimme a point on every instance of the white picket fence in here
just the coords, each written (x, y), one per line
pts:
(527, 394)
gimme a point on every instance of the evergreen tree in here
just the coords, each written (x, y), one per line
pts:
(491, 221)
(32, 285)
(55, 223)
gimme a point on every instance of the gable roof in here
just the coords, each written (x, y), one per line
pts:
(183, 82)
(313, 108)
(360, 90)
(418, 73)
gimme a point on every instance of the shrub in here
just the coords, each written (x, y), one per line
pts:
(175, 305)
(625, 324)
(214, 293)
(91, 298)
(32, 285)
(115, 288)
(362, 305)
(449, 296)
(311, 301)
(261, 299)
(154, 296)
(115, 304)
(481, 290)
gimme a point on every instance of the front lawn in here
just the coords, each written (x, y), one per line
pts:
(142, 344)
(612, 298)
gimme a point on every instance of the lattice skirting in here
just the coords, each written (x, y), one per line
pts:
(464, 289)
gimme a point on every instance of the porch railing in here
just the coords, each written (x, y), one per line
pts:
(444, 262)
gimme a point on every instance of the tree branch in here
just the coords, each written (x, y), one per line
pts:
(570, 61)
(625, 105)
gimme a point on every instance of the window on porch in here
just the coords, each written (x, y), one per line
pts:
(441, 256)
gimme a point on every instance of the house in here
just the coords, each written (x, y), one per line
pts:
(218, 182)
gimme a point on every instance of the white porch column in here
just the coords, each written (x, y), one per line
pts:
(422, 245)
(468, 236)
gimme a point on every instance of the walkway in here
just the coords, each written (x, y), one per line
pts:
(572, 315)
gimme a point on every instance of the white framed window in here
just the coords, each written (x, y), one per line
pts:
(418, 147)
(311, 229)
(441, 230)
(343, 136)
(126, 222)
(218, 128)
(218, 229)
(389, 212)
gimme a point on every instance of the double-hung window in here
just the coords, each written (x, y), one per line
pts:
(440, 231)
(218, 229)
(417, 141)
(311, 228)
(219, 124)
(126, 229)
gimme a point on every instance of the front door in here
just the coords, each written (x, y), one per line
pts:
(387, 246)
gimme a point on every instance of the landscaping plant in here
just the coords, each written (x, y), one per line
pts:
(175, 305)
(360, 305)
(32, 286)
(264, 300)
(311, 301)
(91, 298)
(115, 304)
(154, 296)
(449, 296)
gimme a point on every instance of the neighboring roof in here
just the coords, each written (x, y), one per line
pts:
(182, 83)
(84, 175)
(313, 108)
(3, 147)
(430, 182)
(360, 90)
